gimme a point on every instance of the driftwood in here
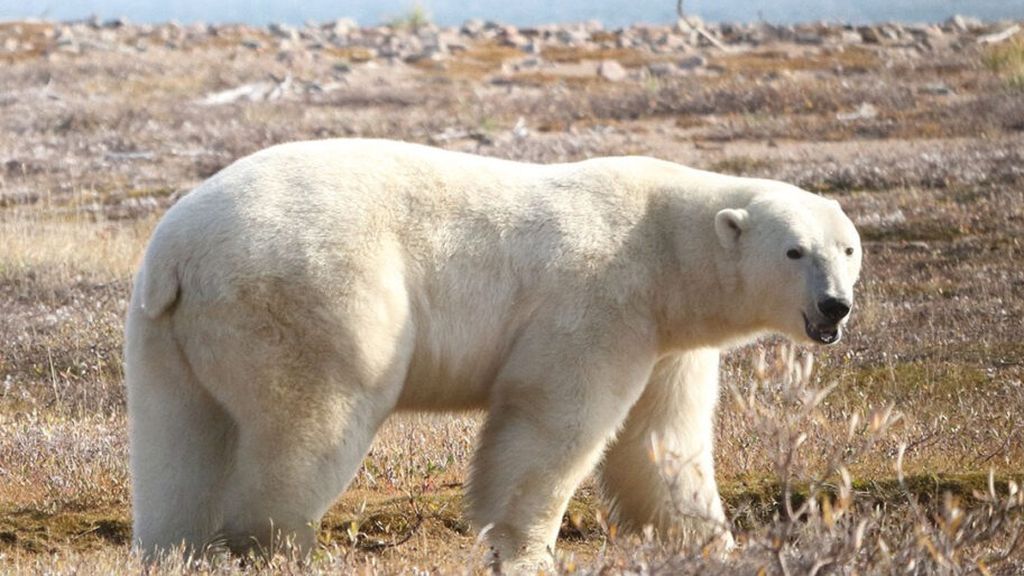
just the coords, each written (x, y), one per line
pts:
(698, 28)
(995, 38)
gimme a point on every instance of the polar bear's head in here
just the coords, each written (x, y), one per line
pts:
(798, 258)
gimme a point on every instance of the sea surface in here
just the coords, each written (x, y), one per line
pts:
(613, 13)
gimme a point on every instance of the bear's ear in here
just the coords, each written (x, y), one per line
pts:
(730, 225)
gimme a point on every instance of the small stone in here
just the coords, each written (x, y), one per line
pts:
(869, 35)
(850, 37)
(473, 27)
(514, 40)
(660, 69)
(692, 62)
(936, 88)
(864, 112)
(612, 71)
(809, 38)
(923, 31)
(284, 31)
(344, 26)
(890, 32)
(451, 42)
(961, 23)
(531, 63)
(573, 37)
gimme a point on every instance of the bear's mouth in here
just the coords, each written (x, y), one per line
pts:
(822, 333)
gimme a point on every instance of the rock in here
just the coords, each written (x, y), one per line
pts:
(924, 31)
(809, 38)
(451, 42)
(961, 23)
(573, 36)
(69, 47)
(864, 112)
(343, 26)
(473, 27)
(312, 35)
(612, 71)
(531, 63)
(936, 88)
(430, 53)
(284, 31)
(692, 62)
(582, 69)
(249, 92)
(869, 35)
(660, 69)
(520, 131)
(513, 38)
(253, 92)
(847, 37)
(891, 32)
(669, 43)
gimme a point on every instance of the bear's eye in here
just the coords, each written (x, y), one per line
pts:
(849, 251)
(795, 254)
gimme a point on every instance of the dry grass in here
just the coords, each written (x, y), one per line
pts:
(95, 147)
(628, 57)
(72, 249)
(853, 60)
(1007, 60)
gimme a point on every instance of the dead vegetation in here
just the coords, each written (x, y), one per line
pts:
(888, 472)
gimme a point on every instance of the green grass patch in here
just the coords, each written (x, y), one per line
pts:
(740, 165)
(753, 501)
(919, 231)
(35, 531)
(907, 380)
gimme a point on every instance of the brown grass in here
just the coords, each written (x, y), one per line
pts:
(849, 60)
(628, 57)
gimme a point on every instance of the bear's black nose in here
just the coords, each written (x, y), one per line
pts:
(834, 309)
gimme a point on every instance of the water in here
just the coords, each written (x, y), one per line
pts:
(612, 13)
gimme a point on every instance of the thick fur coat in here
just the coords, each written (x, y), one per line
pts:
(293, 301)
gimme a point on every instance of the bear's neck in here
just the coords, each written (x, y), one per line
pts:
(703, 301)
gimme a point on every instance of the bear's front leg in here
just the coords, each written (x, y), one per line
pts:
(674, 419)
(550, 417)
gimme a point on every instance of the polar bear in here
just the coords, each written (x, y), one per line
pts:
(290, 303)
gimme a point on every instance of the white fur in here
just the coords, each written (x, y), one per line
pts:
(293, 301)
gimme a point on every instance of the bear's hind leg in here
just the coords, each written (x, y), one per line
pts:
(675, 415)
(308, 381)
(286, 476)
(181, 442)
